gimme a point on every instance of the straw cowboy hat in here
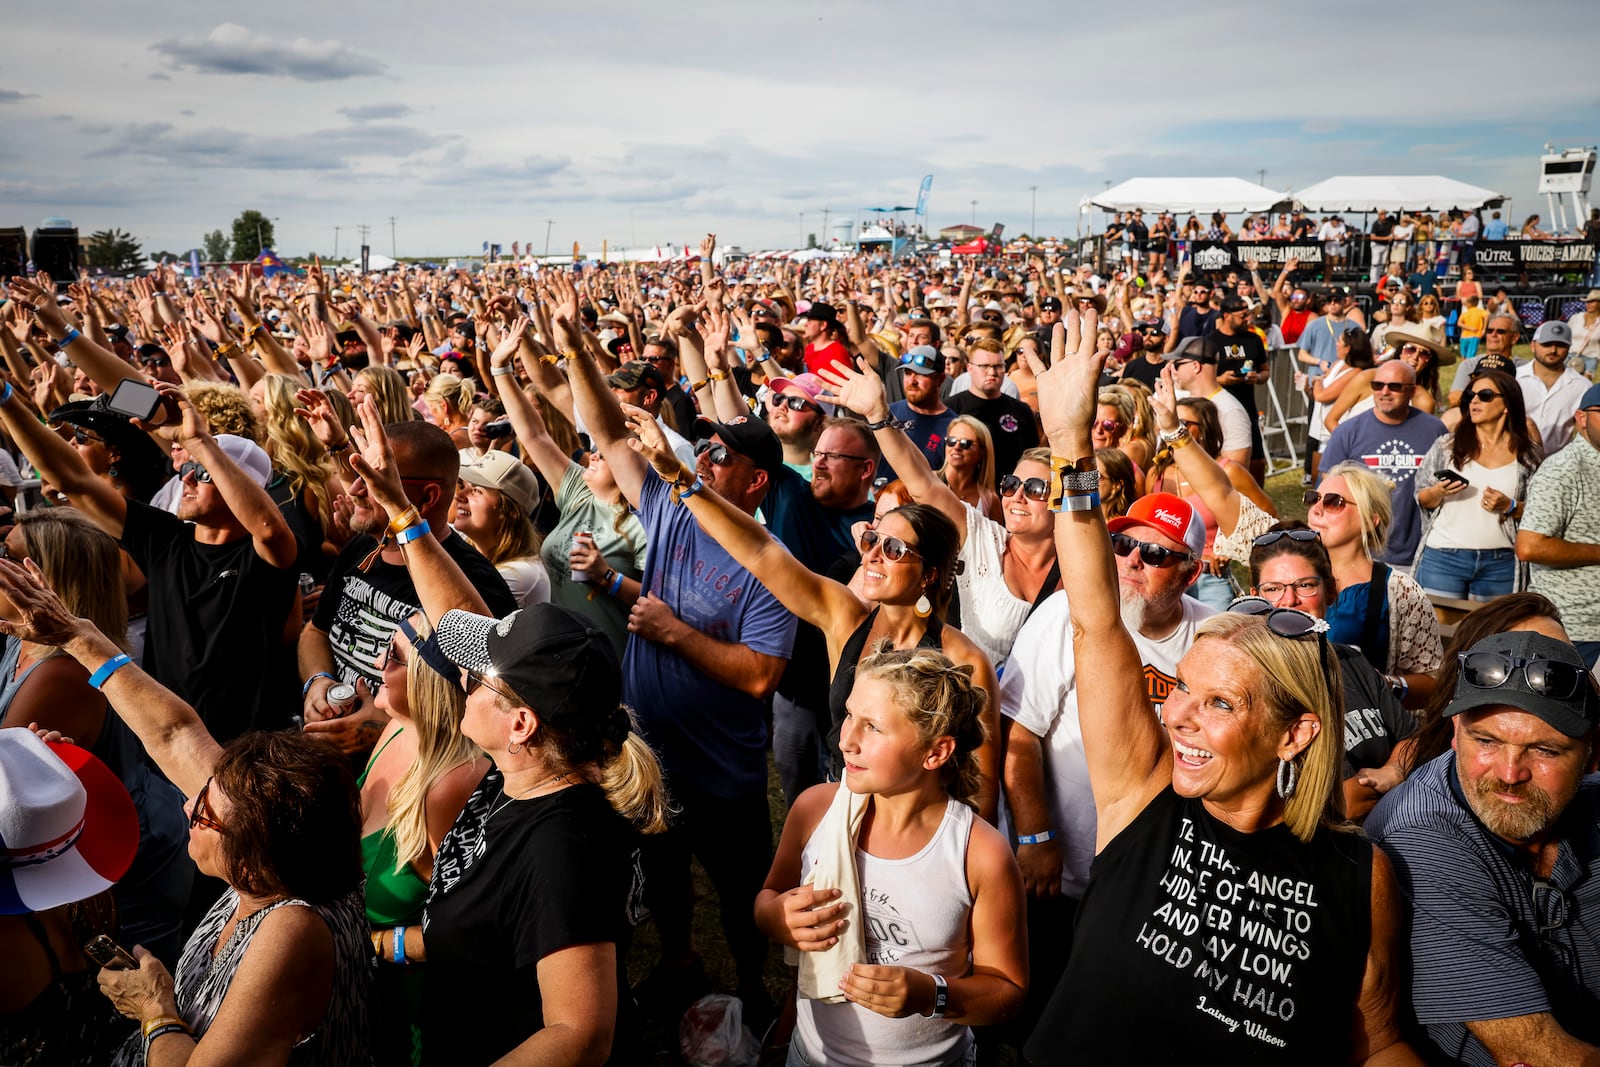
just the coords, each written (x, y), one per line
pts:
(1429, 336)
(68, 829)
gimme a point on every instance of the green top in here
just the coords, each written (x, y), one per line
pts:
(394, 898)
(582, 510)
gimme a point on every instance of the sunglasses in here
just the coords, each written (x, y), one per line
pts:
(155, 361)
(1033, 488)
(84, 437)
(719, 455)
(792, 402)
(1483, 395)
(1495, 329)
(201, 814)
(1285, 622)
(1330, 501)
(1152, 555)
(1272, 537)
(894, 550)
(1549, 677)
(476, 681)
(199, 472)
(961, 444)
(1109, 425)
(1391, 387)
(391, 657)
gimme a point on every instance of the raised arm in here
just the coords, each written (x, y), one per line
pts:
(601, 413)
(102, 365)
(59, 464)
(1207, 477)
(1129, 760)
(526, 421)
(820, 601)
(170, 730)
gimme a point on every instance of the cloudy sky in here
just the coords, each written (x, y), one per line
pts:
(644, 123)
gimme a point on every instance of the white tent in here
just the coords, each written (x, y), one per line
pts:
(1195, 196)
(1405, 192)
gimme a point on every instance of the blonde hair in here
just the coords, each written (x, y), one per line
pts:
(1143, 426)
(940, 699)
(513, 536)
(295, 450)
(225, 408)
(456, 394)
(82, 563)
(1297, 676)
(1370, 493)
(389, 393)
(986, 479)
(436, 707)
(1121, 402)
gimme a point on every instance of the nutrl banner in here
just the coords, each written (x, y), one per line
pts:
(1532, 255)
(1214, 255)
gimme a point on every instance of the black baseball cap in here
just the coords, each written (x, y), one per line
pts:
(751, 438)
(549, 657)
(1050, 303)
(1233, 302)
(635, 373)
(822, 312)
(1191, 348)
(1565, 698)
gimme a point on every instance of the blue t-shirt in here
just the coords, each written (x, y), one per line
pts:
(815, 535)
(1394, 452)
(926, 432)
(1495, 230)
(703, 732)
(1321, 339)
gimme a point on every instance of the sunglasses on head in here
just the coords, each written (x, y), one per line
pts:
(894, 550)
(1482, 395)
(1272, 537)
(717, 454)
(1550, 677)
(1152, 555)
(1329, 501)
(1033, 488)
(199, 472)
(1285, 622)
(792, 402)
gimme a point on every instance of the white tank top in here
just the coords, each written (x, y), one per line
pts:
(917, 915)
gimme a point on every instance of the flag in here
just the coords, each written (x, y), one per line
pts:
(922, 195)
(194, 263)
(271, 264)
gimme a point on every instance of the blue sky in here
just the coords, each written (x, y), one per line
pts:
(650, 123)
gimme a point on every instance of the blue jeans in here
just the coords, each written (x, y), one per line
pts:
(1467, 573)
(1212, 591)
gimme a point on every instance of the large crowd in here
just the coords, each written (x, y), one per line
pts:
(381, 652)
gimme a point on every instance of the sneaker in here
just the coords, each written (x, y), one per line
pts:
(667, 991)
(1305, 481)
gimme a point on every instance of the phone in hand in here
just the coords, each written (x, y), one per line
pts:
(138, 400)
(1448, 475)
(107, 953)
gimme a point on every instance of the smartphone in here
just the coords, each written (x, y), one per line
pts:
(135, 399)
(107, 953)
(1448, 475)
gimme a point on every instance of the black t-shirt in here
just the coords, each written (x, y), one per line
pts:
(1011, 423)
(1196, 320)
(1382, 227)
(683, 409)
(1240, 353)
(1301, 228)
(1139, 232)
(1374, 719)
(360, 612)
(216, 622)
(1140, 369)
(514, 882)
(303, 523)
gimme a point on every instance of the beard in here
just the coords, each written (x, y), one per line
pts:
(1134, 609)
(368, 520)
(1514, 822)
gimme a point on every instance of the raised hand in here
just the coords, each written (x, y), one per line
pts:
(375, 461)
(40, 301)
(708, 245)
(651, 443)
(318, 412)
(510, 343)
(1069, 389)
(319, 339)
(857, 389)
(1164, 400)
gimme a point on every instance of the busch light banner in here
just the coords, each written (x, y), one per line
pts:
(1504, 256)
(1215, 255)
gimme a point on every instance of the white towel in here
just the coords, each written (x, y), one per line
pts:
(835, 837)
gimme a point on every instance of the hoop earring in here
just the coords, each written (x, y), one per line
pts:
(1288, 778)
(923, 607)
(512, 748)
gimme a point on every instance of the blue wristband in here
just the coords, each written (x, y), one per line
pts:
(1036, 839)
(307, 687)
(685, 494)
(616, 583)
(400, 944)
(412, 532)
(70, 336)
(7, 394)
(108, 668)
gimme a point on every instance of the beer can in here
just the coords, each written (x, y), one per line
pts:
(342, 697)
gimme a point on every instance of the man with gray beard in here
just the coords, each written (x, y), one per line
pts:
(1158, 545)
(1497, 847)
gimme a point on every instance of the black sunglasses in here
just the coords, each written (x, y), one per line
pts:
(1390, 387)
(961, 444)
(199, 472)
(718, 454)
(84, 437)
(1152, 555)
(1482, 395)
(155, 361)
(1285, 622)
(1033, 488)
(1553, 678)
(894, 549)
(792, 402)
(1330, 501)
(1272, 537)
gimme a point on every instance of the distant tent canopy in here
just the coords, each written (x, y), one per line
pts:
(1193, 196)
(1407, 192)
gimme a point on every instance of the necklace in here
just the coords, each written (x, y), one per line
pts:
(530, 791)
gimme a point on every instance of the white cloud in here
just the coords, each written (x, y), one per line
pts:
(233, 49)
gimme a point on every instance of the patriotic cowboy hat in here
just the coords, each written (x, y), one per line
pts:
(68, 829)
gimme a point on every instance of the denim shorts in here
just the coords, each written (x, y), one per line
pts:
(1467, 573)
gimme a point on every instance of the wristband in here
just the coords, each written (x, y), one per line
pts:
(225, 350)
(881, 424)
(411, 533)
(6, 395)
(343, 446)
(1036, 839)
(764, 357)
(1172, 438)
(504, 371)
(307, 687)
(67, 338)
(1512, 510)
(695, 387)
(1079, 502)
(163, 1031)
(941, 996)
(719, 375)
(407, 518)
(616, 583)
(400, 945)
(685, 494)
(160, 1021)
(108, 668)
(550, 358)
(1401, 687)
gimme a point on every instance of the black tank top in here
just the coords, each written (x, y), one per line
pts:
(844, 679)
(1199, 944)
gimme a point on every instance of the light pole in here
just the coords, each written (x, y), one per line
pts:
(261, 244)
(547, 224)
(974, 212)
(802, 229)
(336, 230)
(1033, 213)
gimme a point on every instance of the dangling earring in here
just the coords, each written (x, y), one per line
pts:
(924, 606)
(111, 469)
(1288, 777)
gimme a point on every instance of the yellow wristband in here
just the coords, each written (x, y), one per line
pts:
(164, 1020)
(407, 518)
(719, 375)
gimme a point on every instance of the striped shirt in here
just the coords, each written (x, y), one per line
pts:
(1476, 913)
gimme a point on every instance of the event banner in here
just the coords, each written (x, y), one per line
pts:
(1215, 255)
(1501, 256)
